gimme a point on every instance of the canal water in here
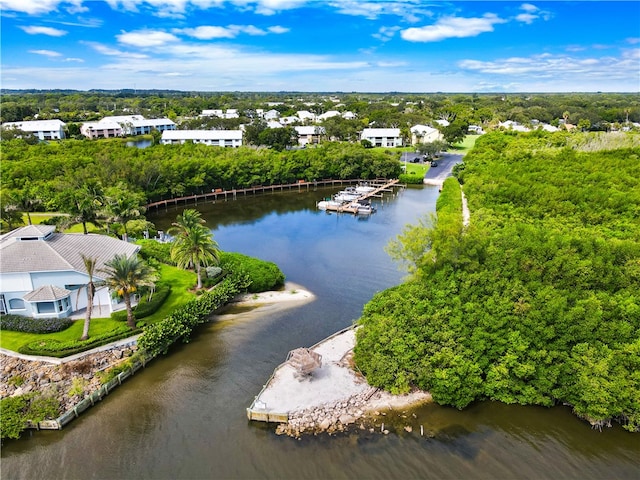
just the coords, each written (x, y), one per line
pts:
(183, 417)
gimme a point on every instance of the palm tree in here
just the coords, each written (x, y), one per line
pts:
(189, 218)
(195, 247)
(124, 276)
(90, 267)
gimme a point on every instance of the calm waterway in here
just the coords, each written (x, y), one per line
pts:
(183, 417)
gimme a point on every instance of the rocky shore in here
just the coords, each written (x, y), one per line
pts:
(362, 411)
(68, 381)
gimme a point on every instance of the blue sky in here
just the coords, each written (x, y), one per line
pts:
(313, 45)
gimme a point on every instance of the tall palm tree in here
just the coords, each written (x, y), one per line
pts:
(195, 247)
(124, 276)
(91, 286)
(189, 218)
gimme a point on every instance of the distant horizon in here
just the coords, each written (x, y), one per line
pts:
(301, 92)
(364, 46)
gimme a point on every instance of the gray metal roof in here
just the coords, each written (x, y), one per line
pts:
(61, 252)
(47, 293)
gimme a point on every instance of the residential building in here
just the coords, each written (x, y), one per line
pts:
(101, 129)
(382, 137)
(309, 135)
(138, 125)
(43, 129)
(42, 273)
(424, 134)
(218, 138)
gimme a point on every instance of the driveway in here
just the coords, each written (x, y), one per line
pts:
(437, 175)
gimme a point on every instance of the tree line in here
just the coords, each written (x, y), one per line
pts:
(536, 302)
(109, 183)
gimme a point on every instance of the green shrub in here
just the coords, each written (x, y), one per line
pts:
(58, 349)
(158, 337)
(156, 250)
(18, 323)
(146, 307)
(263, 275)
(16, 412)
(410, 179)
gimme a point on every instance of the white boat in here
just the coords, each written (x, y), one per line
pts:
(364, 188)
(349, 194)
(328, 204)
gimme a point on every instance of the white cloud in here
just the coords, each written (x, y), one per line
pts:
(114, 52)
(385, 33)
(277, 29)
(146, 38)
(73, 59)
(561, 67)
(207, 32)
(409, 10)
(46, 53)
(52, 32)
(32, 7)
(452, 27)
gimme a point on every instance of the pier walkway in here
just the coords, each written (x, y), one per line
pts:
(221, 194)
(352, 207)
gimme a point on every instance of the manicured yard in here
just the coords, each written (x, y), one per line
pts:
(181, 281)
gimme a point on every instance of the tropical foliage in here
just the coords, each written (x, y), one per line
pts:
(536, 302)
(125, 275)
(193, 245)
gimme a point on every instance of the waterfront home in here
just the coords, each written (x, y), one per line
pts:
(382, 137)
(42, 273)
(218, 138)
(43, 129)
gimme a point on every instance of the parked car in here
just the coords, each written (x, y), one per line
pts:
(434, 164)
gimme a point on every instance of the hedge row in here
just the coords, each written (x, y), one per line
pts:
(411, 178)
(159, 336)
(58, 349)
(18, 323)
(145, 307)
(261, 275)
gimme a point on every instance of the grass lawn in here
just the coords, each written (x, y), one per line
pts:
(466, 145)
(181, 281)
(14, 340)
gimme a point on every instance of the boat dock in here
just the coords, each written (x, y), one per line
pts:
(355, 206)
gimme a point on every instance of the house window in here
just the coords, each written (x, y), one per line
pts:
(16, 304)
(46, 307)
(3, 305)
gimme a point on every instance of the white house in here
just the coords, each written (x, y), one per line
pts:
(309, 134)
(138, 125)
(272, 115)
(424, 134)
(219, 138)
(382, 137)
(101, 129)
(42, 273)
(305, 115)
(329, 114)
(43, 129)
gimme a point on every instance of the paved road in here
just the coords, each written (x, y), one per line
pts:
(437, 175)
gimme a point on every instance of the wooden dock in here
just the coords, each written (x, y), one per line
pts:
(221, 194)
(352, 207)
